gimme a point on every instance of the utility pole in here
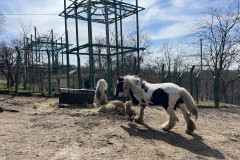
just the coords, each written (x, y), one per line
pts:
(201, 52)
(238, 7)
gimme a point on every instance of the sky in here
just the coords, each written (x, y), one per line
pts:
(163, 20)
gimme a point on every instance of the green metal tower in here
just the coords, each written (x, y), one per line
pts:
(35, 52)
(105, 12)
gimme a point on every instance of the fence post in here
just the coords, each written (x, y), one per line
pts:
(197, 76)
(135, 65)
(191, 80)
(18, 68)
(238, 90)
(49, 74)
(194, 89)
(162, 73)
(232, 94)
(165, 79)
(180, 79)
(206, 91)
(216, 85)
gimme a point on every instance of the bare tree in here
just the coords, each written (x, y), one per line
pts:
(24, 31)
(145, 41)
(171, 55)
(219, 30)
(167, 51)
(101, 61)
(128, 60)
(7, 63)
(178, 64)
(158, 62)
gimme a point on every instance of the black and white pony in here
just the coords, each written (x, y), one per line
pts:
(168, 95)
(100, 97)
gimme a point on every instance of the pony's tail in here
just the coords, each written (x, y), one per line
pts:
(188, 100)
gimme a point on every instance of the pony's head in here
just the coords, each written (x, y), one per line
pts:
(124, 83)
(100, 93)
(119, 88)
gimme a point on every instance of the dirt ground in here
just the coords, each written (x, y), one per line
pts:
(31, 130)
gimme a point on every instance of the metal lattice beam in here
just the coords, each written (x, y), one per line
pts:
(97, 10)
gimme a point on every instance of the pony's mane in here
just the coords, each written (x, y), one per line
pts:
(132, 82)
(133, 77)
(102, 84)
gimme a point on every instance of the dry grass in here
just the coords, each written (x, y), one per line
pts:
(210, 104)
(112, 108)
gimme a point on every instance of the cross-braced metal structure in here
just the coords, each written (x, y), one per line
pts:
(105, 12)
(41, 57)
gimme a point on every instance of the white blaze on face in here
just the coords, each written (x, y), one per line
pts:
(120, 94)
(119, 89)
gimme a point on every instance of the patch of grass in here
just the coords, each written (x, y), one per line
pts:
(12, 91)
(3, 82)
(38, 94)
(4, 91)
(27, 93)
(24, 93)
(43, 94)
(210, 106)
(55, 94)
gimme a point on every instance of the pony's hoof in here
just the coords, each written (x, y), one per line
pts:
(138, 120)
(189, 132)
(129, 113)
(1, 109)
(190, 128)
(165, 129)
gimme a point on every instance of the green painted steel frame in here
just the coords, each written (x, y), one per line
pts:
(82, 5)
(196, 86)
(180, 80)
(37, 45)
(77, 42)
(18, 69)
(191, 80)
(216, 88)
(105, 12)
(49, 73)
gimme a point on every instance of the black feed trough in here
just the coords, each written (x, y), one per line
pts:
(76, 96)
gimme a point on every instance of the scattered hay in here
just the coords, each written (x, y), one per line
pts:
(113, 107)
(77, 106)
(83, 112)
(79, 109)
(45, 106)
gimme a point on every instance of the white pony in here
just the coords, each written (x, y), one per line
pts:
(168, 95)
(100, 96)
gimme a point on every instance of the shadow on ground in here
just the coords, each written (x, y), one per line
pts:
(194, 145)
